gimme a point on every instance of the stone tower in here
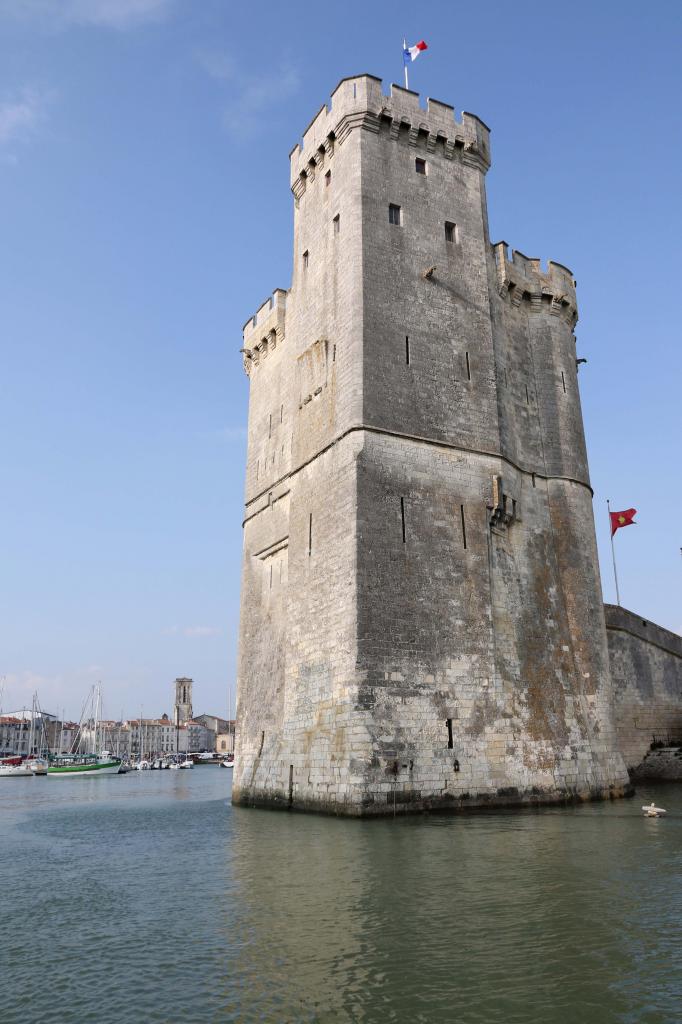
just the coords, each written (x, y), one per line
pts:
(183, 700)
(421, 620)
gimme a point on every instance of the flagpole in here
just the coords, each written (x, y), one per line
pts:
(613, 553)
(404, 63)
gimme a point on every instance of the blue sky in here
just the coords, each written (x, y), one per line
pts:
(146, 213)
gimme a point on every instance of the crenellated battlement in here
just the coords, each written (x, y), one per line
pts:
(522, 278)
(263, 331)
(359, 102)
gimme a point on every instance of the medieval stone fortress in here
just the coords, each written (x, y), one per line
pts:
(422, 622)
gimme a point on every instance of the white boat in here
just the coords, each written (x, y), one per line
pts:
(15, 768)
(227, 764)
(187, 763)
(652, 811)
(143, 766)
(38, 765)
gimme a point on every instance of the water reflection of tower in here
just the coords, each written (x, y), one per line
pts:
(183, 705)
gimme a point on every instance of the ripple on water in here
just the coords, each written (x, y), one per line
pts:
(152, 899)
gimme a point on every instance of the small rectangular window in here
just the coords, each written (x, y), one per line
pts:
(327, 179)
(394, 214)
(464, 527)
(337, 224)
(449, 725)
(450, 231)
(402, 516)
(563, 381)
(305, 260)
(407, 350)
(468, 366)
(420, 165)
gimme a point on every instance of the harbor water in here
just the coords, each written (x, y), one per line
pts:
(148, 897)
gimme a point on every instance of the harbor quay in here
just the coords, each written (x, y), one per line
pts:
(33, 732)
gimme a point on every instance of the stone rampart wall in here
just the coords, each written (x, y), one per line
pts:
(646, 671)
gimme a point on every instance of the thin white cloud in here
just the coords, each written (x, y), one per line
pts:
(232, 433)
(249, 96)
(21, 114)
(116, 14)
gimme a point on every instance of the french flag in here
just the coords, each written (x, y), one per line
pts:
(411, 53)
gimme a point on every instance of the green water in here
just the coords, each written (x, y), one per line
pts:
(148, 898)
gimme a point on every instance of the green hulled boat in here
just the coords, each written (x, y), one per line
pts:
(83, 764)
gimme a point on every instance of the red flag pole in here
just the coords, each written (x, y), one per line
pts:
(613, 553)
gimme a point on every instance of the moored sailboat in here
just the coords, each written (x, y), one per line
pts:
(97, 762)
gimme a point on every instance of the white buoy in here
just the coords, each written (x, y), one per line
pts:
(652, 811)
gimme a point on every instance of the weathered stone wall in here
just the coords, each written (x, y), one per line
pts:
(421, 608)
(646, 670)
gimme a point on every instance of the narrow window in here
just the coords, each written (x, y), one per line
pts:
(262, 741)
(563, 381)
(334, 354)
(420, 165)
(527, 398)
(468, 366)
(533, 478)
(402, 516)
(327, 179)
(337, 224)
(407, 350)
(449, 724)
(450, 231)
(310, 534)
(394, 214)
(305, 260)
(355, 90)
(291, 769)
(464, 527)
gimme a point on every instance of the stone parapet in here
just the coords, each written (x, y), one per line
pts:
(360, 103)
(619, 618)
(523, 278)
(263, 331)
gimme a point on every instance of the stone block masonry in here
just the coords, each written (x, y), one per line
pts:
(646, 670)
(421, 621)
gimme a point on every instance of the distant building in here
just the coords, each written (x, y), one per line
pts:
(199, 737)
(183, 700)
(14, 734)
(213, 722)
(224, 741)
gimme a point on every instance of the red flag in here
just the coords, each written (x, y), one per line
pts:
(626, 518)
